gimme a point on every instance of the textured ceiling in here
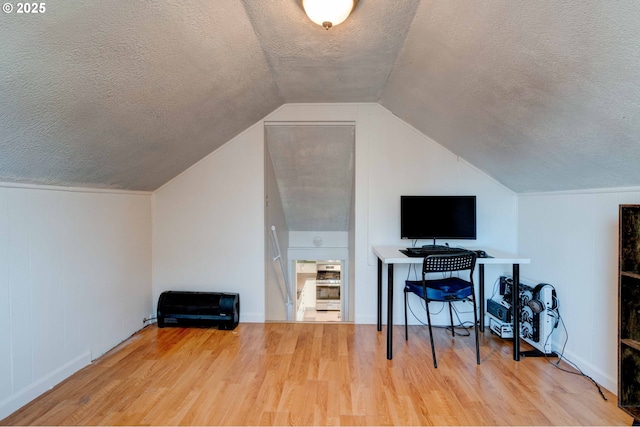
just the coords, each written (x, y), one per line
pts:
(541, 95)
(126, 94)
(314, 167)
(350, 62)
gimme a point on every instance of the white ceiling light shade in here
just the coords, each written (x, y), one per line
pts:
(328, 12)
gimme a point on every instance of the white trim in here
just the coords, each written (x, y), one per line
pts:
(583, 191)
(72, 189)
(27, 394)
(604, 380)
(318, 254)
(350, 123)
(324, 104)
(253, 317)
(365, 320)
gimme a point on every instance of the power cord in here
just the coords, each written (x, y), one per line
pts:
(495, 287)
(555, 313)
(561, 357)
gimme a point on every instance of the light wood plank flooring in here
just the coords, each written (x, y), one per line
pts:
(316, 374)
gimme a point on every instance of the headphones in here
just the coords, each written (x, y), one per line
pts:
(538, 306)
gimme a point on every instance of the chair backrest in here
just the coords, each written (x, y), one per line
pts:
(449, 262)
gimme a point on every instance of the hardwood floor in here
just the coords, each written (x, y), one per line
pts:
(316, 374)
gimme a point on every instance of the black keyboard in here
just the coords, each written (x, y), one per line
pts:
(438, 250)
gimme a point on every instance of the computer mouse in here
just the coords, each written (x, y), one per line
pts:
(481, 254)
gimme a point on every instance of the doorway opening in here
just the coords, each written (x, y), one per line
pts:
(309, 190)
(319, 291)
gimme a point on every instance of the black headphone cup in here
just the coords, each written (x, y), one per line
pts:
(536, 305)
(554, 299)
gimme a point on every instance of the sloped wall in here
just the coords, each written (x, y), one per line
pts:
(209, 227)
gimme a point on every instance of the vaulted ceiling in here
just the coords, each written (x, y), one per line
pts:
(540, 95)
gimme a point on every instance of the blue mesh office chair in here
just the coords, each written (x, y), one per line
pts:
(446, 288)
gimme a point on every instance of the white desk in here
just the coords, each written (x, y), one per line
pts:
(391, 255)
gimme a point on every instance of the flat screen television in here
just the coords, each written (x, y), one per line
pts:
(438, 217)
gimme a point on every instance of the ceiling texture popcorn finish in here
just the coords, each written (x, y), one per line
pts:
(540, 95)
(126, 94)
(314, 166)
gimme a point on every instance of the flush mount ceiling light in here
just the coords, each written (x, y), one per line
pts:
(328, 12)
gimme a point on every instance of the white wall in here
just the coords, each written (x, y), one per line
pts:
(572, 240)
(75, 280)
(209, 227)
(393, 159)
(330, 239)
(209, 222)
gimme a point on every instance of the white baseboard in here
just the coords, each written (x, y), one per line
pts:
(368, 320)
(27, 394)
(252, 317)
(607, 381)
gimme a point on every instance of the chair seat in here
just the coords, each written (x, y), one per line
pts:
(447, 289)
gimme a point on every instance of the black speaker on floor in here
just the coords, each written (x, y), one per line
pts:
(200, 309)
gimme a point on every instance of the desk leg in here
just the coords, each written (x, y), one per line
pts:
(515, 303)
(481, 279)
(379, 294)
(390, 311)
